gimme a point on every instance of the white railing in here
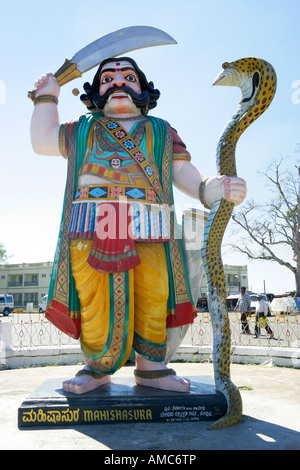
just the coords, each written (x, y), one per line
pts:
(33, 330)
(285, 326)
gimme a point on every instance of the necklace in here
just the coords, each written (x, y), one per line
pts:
(134, 118)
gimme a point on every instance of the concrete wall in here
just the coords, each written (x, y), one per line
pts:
(281, 357)
(70, 355)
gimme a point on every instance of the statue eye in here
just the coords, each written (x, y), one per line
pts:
(107, 79)
(225, 65)
(131, 78)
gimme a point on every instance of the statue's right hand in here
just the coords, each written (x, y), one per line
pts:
(47, 85)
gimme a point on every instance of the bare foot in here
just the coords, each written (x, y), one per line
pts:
(84, 383)
(171, 382)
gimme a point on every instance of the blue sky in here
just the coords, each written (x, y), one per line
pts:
(36, 38)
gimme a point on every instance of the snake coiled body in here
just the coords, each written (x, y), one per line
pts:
(257, 80)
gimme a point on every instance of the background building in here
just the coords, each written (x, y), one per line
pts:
(192, 231)
(236, 277)
(27, 282)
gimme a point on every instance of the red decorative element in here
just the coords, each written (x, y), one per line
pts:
(178, 145)
(184, 315)
(151, 195)
(58, 314)
(83, 193)
(116, 192)
(113, 249)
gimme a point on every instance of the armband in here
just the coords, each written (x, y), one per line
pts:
(201, 194)
(45, 99)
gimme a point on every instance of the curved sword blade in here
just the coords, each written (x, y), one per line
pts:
(119, 42)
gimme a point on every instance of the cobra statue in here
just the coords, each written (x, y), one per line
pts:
(257, 80)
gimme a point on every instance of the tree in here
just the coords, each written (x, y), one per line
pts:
(3, 253)
(274, 224)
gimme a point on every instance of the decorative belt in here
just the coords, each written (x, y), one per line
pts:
(111, 192)
(148, 223)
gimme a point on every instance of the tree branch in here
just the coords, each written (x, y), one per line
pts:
(272, 224)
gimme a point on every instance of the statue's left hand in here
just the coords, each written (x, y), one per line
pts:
(232, 188)
(187, 179)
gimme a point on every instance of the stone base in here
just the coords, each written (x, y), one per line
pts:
(120, 402)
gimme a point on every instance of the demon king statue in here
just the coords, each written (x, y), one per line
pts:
(119, 278)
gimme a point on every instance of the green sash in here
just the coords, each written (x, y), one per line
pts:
(63, 308)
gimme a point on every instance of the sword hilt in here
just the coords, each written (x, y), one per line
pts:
(63, 75)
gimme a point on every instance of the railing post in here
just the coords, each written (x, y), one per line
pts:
(5, 340)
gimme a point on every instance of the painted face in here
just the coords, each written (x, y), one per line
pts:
(118, 74)
(115, 163)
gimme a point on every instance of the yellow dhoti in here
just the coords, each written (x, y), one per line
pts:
(122, 310)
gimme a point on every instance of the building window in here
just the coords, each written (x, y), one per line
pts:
(31, 280)
(15, 280)
(233, 280)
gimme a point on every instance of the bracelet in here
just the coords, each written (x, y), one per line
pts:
(201, 194)
(45, 99)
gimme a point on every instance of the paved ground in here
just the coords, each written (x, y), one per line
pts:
(271, 421)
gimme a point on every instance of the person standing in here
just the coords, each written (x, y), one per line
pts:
(243, 306)
(261, 317)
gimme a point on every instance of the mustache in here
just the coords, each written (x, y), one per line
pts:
(141, 100)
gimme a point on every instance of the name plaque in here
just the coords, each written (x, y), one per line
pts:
(51, 406)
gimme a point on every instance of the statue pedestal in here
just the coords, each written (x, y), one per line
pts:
(120, 402)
